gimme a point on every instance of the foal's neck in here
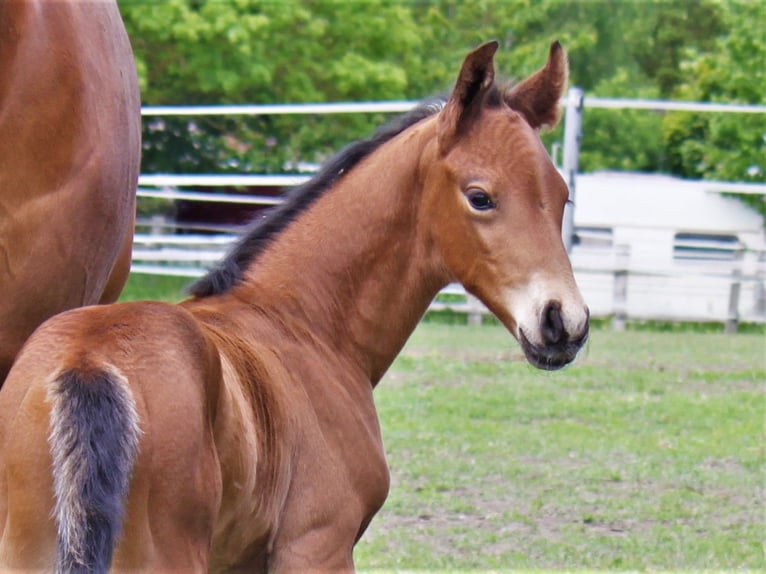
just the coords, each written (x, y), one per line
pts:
(355, 267)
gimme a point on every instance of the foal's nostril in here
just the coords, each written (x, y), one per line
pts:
(552, 325)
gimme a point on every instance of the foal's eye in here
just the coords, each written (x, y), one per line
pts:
(480, 199)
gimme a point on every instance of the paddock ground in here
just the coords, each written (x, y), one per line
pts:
(647, 454)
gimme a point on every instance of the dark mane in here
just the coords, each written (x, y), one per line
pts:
(264, 230)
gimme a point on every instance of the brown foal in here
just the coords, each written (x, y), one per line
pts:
(236, 432)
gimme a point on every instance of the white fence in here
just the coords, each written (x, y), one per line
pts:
(728, 288)
(613, 285)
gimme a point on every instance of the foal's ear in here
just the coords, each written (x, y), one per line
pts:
(537, 97)
(477, 75)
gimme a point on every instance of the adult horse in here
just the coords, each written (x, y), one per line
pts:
(69, 155)
(236, 432)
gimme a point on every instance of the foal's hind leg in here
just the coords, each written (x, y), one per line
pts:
(176, 488)
(321, 522)
(27, 531)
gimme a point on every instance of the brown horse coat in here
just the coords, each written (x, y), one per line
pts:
(69, 159)
(237, 432)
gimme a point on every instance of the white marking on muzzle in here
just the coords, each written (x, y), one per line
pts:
(527, 303)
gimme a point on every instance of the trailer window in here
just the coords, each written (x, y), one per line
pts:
(699, 246)
(593, 237)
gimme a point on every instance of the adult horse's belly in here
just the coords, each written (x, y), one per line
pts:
(70, 132)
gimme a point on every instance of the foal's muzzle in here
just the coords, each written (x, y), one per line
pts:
(559, 346)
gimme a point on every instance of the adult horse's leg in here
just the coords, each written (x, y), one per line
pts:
(121, 269)
(29, 303)
(70, 133)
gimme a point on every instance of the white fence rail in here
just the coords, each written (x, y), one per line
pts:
(613, 286)
(399, 106)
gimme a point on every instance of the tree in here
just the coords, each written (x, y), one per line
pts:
(668, 29)
(724, 146)
(250, 51)
(264, 51)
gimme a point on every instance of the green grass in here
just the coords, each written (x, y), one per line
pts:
(647, 454)
(155, 288)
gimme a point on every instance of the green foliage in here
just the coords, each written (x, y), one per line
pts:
(724, 146)
(250, 51)
(208, 51)
(626, 140)
(662, 32)
(264, 51)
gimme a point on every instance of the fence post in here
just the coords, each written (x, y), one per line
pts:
(620, 287)
(735, 288)
(760, 289)
(474, 310)
(157, 223)
(572, 137)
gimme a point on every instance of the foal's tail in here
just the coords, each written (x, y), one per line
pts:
(93, 439)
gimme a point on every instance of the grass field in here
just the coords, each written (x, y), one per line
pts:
(154, 287)
(648, 454)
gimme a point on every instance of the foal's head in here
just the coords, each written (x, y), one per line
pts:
(496, 201)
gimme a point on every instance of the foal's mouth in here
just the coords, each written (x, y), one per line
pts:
(551, 357)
